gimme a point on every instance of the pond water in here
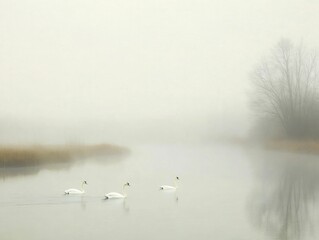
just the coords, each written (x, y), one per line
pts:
(225, 192)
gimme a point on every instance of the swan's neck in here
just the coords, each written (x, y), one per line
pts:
(82, 187)
(123, 191)
(175, 183)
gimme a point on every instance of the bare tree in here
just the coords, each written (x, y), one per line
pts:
(286, 89)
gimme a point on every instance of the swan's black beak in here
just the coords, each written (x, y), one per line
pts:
(128, 184)
(177, 178)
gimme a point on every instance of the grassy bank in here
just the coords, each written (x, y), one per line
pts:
(288, 145)
(18, 156)
(302, 146)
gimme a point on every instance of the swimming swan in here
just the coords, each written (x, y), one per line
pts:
(166, 187)
(117, 195)
(76, 191)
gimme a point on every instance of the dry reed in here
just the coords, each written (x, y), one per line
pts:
(17, 156)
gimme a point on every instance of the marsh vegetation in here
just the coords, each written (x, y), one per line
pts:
(19, 156)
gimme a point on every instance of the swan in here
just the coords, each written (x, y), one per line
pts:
(117, 195)
(166, 187)
(76, 191)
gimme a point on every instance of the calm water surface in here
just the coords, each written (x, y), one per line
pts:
(225, 192)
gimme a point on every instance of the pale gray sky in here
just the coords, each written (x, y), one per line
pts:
(77, 62)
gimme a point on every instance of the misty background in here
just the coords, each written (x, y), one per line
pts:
(120, 71)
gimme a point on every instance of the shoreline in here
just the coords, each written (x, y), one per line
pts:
(297, 146)
(307, 146)
(35, 155)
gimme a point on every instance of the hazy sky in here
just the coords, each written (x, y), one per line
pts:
(137, 62)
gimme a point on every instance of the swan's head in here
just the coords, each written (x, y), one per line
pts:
(177, 178)
(127, 184)
(85, 182)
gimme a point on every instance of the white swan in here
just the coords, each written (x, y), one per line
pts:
(76, 191)
(166, 187)
(117, 195)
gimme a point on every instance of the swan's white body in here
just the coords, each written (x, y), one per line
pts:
(117, 195)
(75, 191)
(167, 187)
(114, 195)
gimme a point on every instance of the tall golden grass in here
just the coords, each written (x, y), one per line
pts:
(13, 156)
(303, 146)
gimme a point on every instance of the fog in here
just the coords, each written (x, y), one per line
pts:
(120, 71)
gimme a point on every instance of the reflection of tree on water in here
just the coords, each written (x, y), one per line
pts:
(283, 201)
